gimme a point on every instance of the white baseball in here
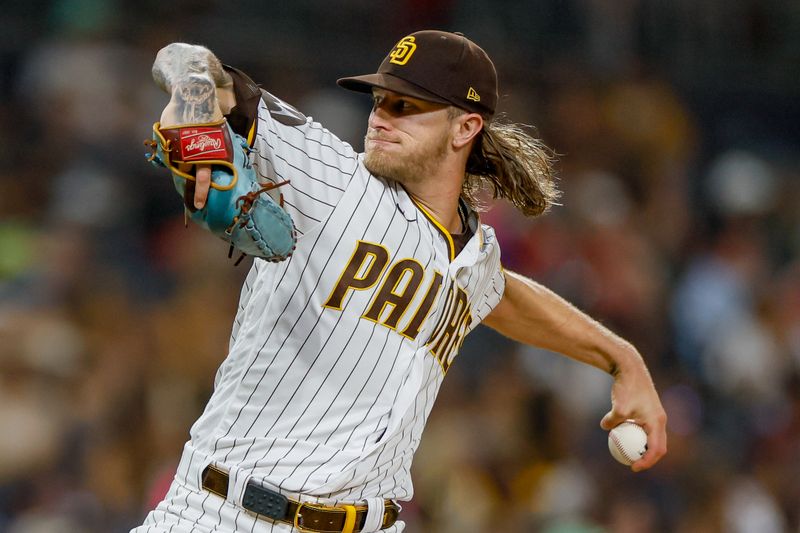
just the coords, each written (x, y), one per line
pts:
(627, 442)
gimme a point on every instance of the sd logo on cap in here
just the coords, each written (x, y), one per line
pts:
(403, 51)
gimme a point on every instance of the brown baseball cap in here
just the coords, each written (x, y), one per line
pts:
(437, 66)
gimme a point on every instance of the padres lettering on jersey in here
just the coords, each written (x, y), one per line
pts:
(337, 354)
(397, 292)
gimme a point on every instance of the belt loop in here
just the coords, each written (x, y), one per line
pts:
(238, 484)
(376, 509)
(349, 519)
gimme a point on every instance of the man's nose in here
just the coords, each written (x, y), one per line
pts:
(378, 119)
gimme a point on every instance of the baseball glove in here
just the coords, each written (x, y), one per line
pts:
(238, 208)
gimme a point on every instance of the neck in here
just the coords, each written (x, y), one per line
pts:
(440, 198)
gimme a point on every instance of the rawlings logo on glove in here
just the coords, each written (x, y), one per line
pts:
(203, 143)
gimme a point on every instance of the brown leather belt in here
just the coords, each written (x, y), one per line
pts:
(304, 516)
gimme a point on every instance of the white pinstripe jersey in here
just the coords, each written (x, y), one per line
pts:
(337, 354)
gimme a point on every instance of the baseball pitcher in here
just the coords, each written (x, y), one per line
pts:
(370, 269)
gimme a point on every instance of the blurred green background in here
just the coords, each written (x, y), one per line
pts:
(678, 125)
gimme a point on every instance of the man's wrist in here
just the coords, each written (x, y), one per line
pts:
(624, 357)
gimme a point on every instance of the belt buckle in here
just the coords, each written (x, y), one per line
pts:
(349, 522)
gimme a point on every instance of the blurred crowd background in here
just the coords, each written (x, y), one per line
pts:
(678, 129)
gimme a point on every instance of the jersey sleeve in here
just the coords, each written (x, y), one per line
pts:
(490, 291)
(317, 165)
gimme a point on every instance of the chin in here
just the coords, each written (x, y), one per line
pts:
(377, 164)
(393, 167)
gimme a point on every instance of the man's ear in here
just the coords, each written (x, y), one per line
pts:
(467, 127)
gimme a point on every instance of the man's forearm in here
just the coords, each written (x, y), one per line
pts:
(533, 314)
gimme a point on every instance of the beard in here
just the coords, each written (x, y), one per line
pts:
(413, 166)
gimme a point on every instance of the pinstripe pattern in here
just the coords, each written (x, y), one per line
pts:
(317, 402)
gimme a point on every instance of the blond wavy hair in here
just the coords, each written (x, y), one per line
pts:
(512, 164)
